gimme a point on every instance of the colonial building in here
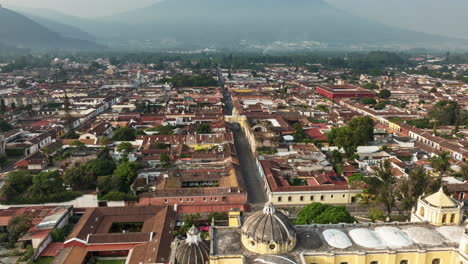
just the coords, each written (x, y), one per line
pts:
(269, 237)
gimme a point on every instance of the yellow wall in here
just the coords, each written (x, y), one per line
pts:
(338, 197)
(414, 257)
(226, 260)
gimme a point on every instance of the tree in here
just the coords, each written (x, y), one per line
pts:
(384, 94)
(381, 185)
(2, 106)
(22, 84)
(47, 152)
(45, 184)
(203, 129)
(71, 134)
(15, 184)
(101, 166)
(165, 160)
(370, 86)
(414, 186)
(17, 227)
(380, 106)
(445, 112)
(5, 126)
(78, 145)
(441, 162)
(125, 147)
(359, 132)
(323, 214)
(124, 134)
(433, 90)
(124, 175)
(368, 101)
(298, 133)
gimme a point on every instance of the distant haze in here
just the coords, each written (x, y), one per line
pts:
(82, 8)
(442, 17)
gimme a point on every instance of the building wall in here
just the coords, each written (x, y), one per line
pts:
(328, 197)
(240, 198)
(227, 260)
(384, 257)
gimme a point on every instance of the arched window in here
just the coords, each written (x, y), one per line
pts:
(452, 218)
(444, 218)
(421, 211)
(436, 261)
(374, 262)
(404, 262)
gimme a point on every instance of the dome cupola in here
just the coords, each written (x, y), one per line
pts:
(268, 232)
(193, 250)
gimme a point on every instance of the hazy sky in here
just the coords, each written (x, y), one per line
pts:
(443, 17)
(82, 8)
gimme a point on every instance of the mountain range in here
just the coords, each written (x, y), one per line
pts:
(241, 25)
(19, 31)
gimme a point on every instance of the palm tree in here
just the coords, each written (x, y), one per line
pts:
(441, 162)
(47, 152)
(382, 185)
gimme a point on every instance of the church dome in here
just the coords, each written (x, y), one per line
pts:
(268, 232)
(193, 250)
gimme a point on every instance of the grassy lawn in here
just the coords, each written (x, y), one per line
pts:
(44, 260)
(114, 261)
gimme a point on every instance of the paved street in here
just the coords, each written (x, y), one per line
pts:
(248, 167)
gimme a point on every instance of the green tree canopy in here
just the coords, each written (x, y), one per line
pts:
(17, 227)
(368, 101)
(382, 186)
(445, 112)
(359, 132)
(46, 184)
(414, 186)
(384, 94)
(441, 162)
(323, 214)
(125, 147)
(203, 129)
(5, 126)
(124, 134)
(370, 86)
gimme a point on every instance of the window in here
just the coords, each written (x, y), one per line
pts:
(332, 196)
(344, 195)
(444, 218)
(374, 262)
(404, 262)
(344, 263)
(272, 246)
(279, 199)
(312, 198)
(302, 198)
(452, 218)
(289, 198)
(436, 261)
(165, 200)
(204, 199)
(421, 211)
(322, 197)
